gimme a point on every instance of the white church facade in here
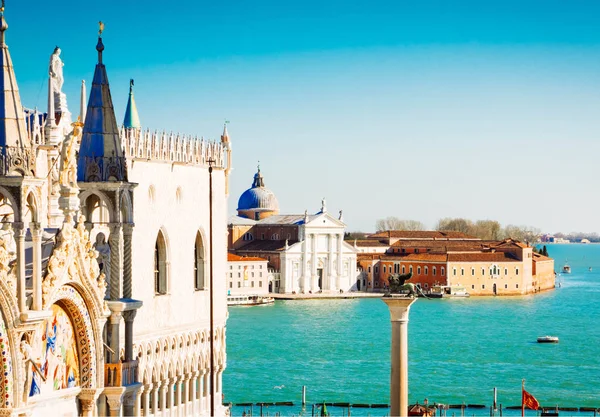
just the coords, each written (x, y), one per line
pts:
(307, 252)
(105, 258)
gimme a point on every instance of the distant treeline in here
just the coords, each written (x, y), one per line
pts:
(483, 229)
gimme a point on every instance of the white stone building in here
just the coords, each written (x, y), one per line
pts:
(68, 305)
(247, 275)
(307, 252)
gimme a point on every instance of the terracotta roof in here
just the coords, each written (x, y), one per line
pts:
(482, 257)
(426, 257)
(512, 242)
(421, 234)
(368, 256)
(232, 257)
(363, 243)
(474, 244)
(265, 245)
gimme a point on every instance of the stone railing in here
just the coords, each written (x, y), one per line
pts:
(169, 147)
(130, 372)
(120, 374)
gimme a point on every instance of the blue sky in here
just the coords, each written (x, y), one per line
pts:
(415, 109)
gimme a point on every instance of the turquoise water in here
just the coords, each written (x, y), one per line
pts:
(459, 349)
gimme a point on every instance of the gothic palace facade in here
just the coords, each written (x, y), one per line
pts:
(104, 291)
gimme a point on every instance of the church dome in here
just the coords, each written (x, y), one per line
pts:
(258, 198)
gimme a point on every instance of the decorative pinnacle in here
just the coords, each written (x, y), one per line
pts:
(258, 166)
(3, 24)
(100, 28)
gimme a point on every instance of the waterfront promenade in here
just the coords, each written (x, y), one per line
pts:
(459, 349)
(326, 296)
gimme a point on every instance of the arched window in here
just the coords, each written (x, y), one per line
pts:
(160, 265)
(199, 263)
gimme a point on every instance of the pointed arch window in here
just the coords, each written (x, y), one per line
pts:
(160, 265)
(199, 264)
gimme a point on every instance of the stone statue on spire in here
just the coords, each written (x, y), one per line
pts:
(56, 80)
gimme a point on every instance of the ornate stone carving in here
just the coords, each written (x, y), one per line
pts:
(68, 169)
(8, 256)
(73, 252)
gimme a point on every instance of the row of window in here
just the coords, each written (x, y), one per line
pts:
(161, 265)
(239, 274)
(483, 286)
(239, 284)
(250, 266)
(410, 269)
(494, 270)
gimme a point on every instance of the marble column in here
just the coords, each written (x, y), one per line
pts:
(313, 265)
(129, 316)
(156, 392)
(340, 258)
(36, 240)
(331, 277)
(141, 394)
(305, 273)
(115, 325)
(171, 395)
(193, 393)
(20, 231)
(399, 306)
(115, 241)
(164, 388)
(148, 389)
(127, 282)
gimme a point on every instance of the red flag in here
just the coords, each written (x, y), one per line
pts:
(529, 401)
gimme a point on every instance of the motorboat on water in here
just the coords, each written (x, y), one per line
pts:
(249, 300)
(547, 339)
(446, 291)
(566, 269)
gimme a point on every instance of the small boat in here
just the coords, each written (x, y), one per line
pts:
(547, 339)
(590, 269)
(446, 291)
(249, 300)
(566, 269)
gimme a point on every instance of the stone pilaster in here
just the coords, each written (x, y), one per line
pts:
(36, 239)
(399, 306)
(340, 269)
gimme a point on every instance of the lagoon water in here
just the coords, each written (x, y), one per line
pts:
(459, 349)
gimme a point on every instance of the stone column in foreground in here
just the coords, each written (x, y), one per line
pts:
(399, 306)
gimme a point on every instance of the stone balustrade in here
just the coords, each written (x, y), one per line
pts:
(170, 147)
(120, 374)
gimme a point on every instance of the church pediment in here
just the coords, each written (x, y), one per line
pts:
(324, 220)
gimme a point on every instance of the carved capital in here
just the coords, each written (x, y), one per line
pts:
(128, 229)
(129, 315)
(114, 403)
(115, 317)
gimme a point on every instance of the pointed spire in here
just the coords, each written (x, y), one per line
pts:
(82, 106)
(12, 118)
(225, 135)
(100, 154)
(132, 119)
